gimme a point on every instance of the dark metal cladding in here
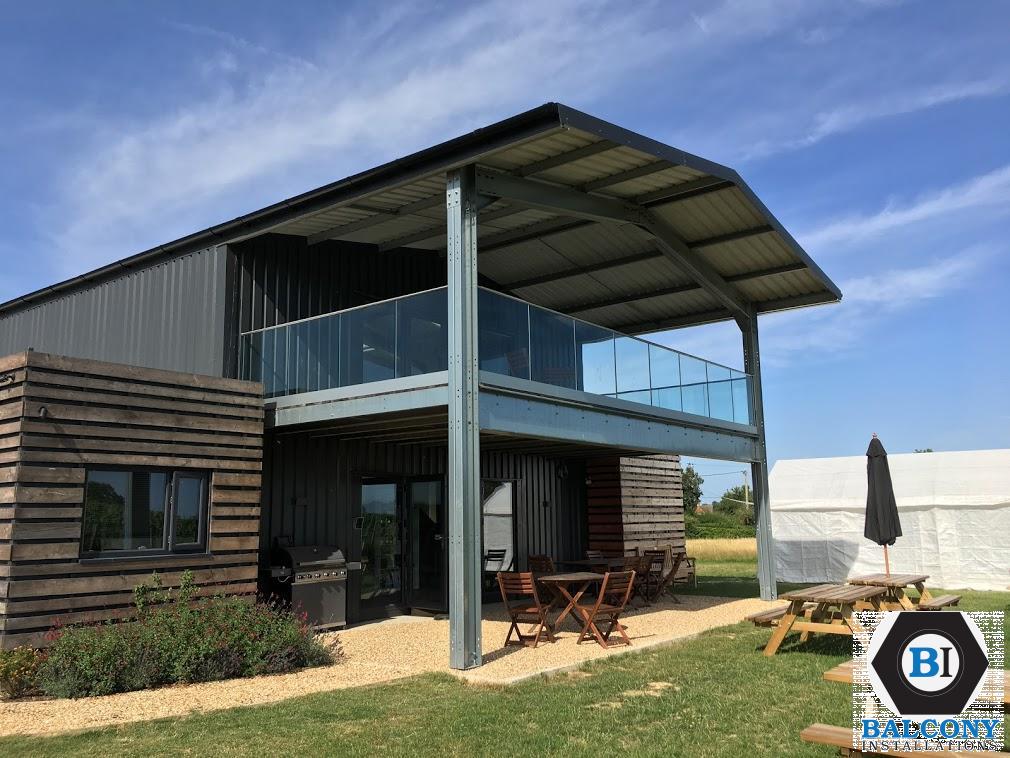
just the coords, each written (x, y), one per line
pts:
(312, 493)
(170, 315)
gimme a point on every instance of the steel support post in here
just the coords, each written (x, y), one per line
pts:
(759, 467)
(464, 422)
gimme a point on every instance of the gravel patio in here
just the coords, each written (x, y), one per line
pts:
(380, 652)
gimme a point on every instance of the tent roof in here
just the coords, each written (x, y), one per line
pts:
(610, 272)
(961, 478)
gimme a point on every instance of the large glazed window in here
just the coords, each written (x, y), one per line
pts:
(143, 511)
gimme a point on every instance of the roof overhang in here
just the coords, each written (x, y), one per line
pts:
(580, 216)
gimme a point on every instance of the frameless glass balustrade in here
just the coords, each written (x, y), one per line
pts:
(407, 336)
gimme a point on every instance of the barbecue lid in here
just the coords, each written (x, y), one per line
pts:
(311, 555)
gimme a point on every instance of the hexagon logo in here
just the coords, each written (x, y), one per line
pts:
(927, 663)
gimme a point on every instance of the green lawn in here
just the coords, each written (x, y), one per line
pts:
(737, 577)
(715, 695)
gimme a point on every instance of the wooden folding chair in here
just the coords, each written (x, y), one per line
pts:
(522, 603)
(541, 564)
(614, 594)
(661, 572)
(494, 561)
(640, 565)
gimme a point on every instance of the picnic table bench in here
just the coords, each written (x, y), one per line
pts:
(843, 673)
(824, 609)
(898, 600)
(841, 737)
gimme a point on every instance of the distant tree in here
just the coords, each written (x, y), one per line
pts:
(737, 502)
(924, 450)
(691, 482)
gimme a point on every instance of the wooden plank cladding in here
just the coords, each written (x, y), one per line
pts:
(60, 417)
(635, 503)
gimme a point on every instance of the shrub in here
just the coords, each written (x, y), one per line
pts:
(178, 639)
(714, 525)
(18, 670)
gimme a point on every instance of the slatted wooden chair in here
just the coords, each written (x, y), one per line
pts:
(597, 555)
(494, 561)
(640, 564)
(663, 567)
(615, 591)
(541, 564)
(523, 605)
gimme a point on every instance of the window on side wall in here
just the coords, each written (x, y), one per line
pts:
(130, 512)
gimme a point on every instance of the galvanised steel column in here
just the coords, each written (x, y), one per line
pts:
(759, 468)
(464, 422)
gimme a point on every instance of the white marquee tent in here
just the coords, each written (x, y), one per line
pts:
(954, 510)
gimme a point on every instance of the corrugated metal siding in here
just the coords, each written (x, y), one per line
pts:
(280, 278)
(169, 316)
(312, 490)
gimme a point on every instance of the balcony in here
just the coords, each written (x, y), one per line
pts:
(406, 337)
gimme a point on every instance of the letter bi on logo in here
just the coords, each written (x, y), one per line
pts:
(926, 657)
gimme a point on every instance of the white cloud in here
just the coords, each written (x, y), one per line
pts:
(991, 190)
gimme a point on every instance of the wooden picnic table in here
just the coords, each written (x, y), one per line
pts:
(561, 585)
(896, 598)
(824, 609)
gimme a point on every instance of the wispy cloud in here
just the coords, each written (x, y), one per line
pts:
(279, 124)
(990, 190)
(830, 332)
(858, 113)
(868, 302)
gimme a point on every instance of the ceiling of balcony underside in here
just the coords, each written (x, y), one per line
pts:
(610, 273)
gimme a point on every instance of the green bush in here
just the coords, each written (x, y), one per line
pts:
(178, 639)
(18, 671)
(714, 526)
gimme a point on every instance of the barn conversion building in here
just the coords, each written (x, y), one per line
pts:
(400, 364)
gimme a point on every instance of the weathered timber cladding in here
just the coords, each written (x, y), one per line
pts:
(635, 503)
(312, 493)
(59, 416)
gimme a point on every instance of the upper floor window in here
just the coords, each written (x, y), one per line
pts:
(143, 511)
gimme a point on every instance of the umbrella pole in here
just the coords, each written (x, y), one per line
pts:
(887, 562)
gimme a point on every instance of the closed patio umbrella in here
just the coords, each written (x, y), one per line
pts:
(882, 524)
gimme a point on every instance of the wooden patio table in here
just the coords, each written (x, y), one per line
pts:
(829, 611)
(564, 584)
(896, 599)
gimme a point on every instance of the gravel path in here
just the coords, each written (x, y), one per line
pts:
(376, 653)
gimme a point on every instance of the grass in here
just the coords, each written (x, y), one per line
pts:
(739, 548)
(714, 695)
(726, 574)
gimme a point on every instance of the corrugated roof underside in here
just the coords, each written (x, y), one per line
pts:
(738, 240)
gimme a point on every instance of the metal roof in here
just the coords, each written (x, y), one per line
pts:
(609, 271)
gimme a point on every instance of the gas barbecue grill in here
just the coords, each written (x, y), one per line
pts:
(313, 579)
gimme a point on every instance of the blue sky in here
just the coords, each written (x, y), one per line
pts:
(876, 131)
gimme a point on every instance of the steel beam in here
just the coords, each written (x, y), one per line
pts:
(389, 396)
(759, 467)
(592, 305)
(462, 204)
(694, 265)
(558, 199)
(610, 426)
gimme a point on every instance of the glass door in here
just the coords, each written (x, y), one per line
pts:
(426, 555)
(381, 584)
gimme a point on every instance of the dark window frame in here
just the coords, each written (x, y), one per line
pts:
(171, 548)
